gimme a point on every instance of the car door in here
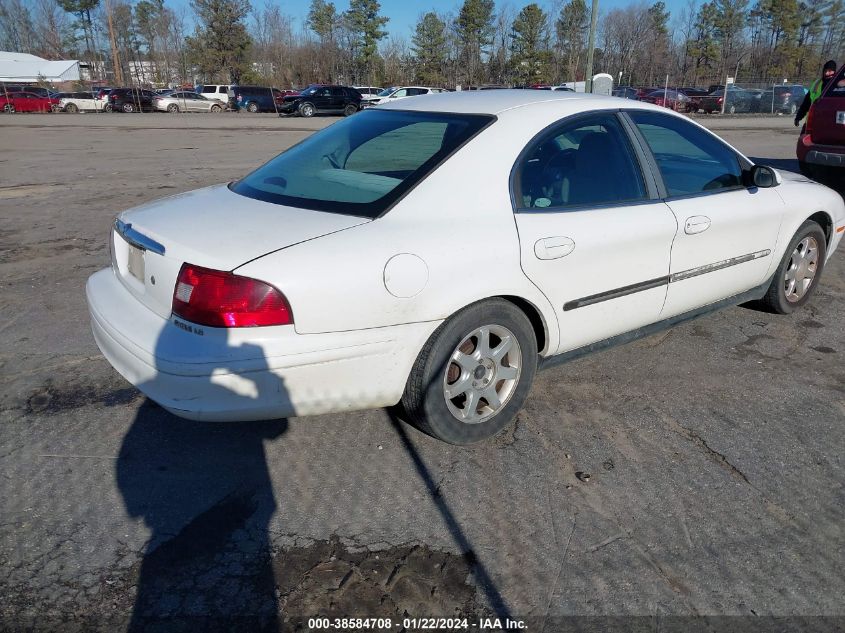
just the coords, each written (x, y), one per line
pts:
(594, 236)
(726, 231)
(197, 103)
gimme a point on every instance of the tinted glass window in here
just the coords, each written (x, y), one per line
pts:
(362, 164)
(337, 92)
(690, 160)
(588, 161)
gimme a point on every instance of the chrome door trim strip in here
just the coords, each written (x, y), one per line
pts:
(617, 293)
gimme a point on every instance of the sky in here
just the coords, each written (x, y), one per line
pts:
(404, 14)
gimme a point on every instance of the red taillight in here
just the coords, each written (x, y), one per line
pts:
(222, 299)
(720, 100)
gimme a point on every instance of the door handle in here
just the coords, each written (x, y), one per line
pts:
(553, 247)
(696, 224)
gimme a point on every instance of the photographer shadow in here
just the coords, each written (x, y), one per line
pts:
(204, 491)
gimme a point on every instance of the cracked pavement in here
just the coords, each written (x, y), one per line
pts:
(710, 463)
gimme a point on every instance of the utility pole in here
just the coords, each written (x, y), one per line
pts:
(115, 55)
(588, 85)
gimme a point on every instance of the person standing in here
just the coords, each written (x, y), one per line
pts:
(816, 90)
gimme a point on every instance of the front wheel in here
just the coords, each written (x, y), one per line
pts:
(216, 108)
(350, 109)
(128, 107)
(252, 107)
(173, 108)
(473, 374)
(796, 278)
(71, 108)
(306, 110)
(8, 108)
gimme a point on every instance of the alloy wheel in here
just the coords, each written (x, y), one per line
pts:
(802, 269)
(482, 373)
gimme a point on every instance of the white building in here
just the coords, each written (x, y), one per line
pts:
(25, 68)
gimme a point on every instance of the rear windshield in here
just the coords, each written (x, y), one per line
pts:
(362, 164)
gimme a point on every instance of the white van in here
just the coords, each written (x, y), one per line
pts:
(217, 91)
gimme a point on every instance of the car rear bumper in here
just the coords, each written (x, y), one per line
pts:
(816, 154)
(215, 374)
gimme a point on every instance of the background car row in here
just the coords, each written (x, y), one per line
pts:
(784, 99)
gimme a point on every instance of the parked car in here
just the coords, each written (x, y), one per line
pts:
(625, 92)
(368, 93)
(26, 102)
(323, 99)
(131, 100)
(102, 95)
(184, 101)
(738, 100)
(782, 99)
(32, 89)
(821, 145)
(695, 95)
(672, 99)
(257, 98)
(219, 92)
(335, 291)
(74, 102)
(391, 94)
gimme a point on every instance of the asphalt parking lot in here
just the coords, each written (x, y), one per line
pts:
(698, 472)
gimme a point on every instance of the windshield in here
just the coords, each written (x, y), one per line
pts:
(387, 92)
(361, 165)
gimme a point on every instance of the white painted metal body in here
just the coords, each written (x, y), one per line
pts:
(367, 294)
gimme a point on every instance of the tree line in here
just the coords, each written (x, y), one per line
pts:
(479, 43)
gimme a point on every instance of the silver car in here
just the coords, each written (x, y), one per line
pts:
(184, 101)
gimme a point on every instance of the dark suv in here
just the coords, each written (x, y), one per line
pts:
(331, 99)
(131, 100)
(256, 98)
(785, 99)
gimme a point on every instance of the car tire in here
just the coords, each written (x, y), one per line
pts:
(732, 109)
(350, 109)
(799, 271)
(71, 108)
(793, 108)
(306, 110)
(108, 107)
(173, 108)
(9, 107)
(456, 420)
(252, 107)
(215, 109)
(128, 107)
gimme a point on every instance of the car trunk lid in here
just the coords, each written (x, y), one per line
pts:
(213, 228)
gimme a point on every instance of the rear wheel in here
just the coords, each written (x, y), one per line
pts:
(71, 107)
(8, 108)
(252, 107)
(796, 278)
(173, 108)
(350, 109)
(473, 374)
(216, 108)
(306, 110)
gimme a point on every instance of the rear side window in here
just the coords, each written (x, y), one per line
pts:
(361, 165)
(209, 88)
(588, 161)
(691, 161)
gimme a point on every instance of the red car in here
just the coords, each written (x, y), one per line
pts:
(821, 145)
(671, 99)
(26, 102)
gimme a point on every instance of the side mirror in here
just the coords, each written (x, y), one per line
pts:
(764, 177)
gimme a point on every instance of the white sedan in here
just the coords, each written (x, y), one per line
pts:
(436, 252)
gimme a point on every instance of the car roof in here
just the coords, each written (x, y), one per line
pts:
(498, 101)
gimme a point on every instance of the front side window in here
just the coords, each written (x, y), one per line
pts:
(363, 164)
(588, 161)
(400, 93)
(691, 161)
